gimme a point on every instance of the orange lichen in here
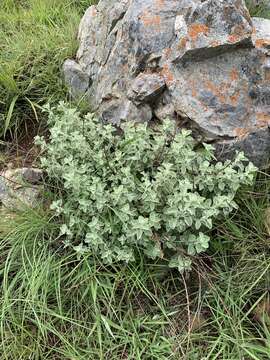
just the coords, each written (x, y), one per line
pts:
(167, 74)
(160, 3)
(241, 132)
(215, 43)
(263, 119)
(234, 75)
(150, 20)
(215, 90)
(197, 29)
(210, 86)
(260, 43)
(254, 31)
(193, 88)
(194, 92)
(167, 52)
(182, 43)
(233, 38)
(235, 98)
(267, 74)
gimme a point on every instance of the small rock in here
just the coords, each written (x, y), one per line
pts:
(164, 108)
(20, 187)
(256, 144)
(75, 78)
(261, 35)
(147, 87)
(118, 111)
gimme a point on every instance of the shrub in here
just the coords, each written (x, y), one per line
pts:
(137, 188)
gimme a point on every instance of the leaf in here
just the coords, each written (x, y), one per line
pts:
(198, 224)
(181, 263)
(33, 106)
(188, 221)
(10, 113)
(107, 326)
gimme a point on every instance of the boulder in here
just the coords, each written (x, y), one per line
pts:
(20, 188)
(205, 64)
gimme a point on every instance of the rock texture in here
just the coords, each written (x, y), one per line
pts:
(20, 188)
(204, 63)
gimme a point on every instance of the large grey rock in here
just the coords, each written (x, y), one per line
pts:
(20, 188)
(206, 63)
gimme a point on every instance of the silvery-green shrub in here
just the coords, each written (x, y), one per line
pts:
(136, 188)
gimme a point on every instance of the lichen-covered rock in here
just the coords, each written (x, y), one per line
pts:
(20, 188)
(205, 62)
(261, 34)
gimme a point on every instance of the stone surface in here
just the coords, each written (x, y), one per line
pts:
(261, 34)
(20, 187)
(75, 78)
(204, 63)
(146, 87)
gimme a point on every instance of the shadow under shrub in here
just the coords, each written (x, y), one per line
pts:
(144, 189)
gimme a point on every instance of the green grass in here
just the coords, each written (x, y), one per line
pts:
(35, 38)
(54, 306)
(260, 10)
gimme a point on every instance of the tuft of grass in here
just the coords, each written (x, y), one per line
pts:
(35, 38)
(55, 306)
(235, 303)
(260, 8)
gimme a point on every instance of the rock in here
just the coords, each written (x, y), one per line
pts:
(205, 64)
(20, 187)
(261, 35)
(256, 145)
(164, 108)
(118, 111)
(146, 87)
(75, 78)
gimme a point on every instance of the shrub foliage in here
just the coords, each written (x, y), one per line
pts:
(137, 188)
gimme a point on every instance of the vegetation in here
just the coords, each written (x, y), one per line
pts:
(56, 305)
(145, 189)
(259, 8)
(35, 36)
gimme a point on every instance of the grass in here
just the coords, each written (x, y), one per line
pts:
(260, 10)
(56, 306)
(35, 36)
